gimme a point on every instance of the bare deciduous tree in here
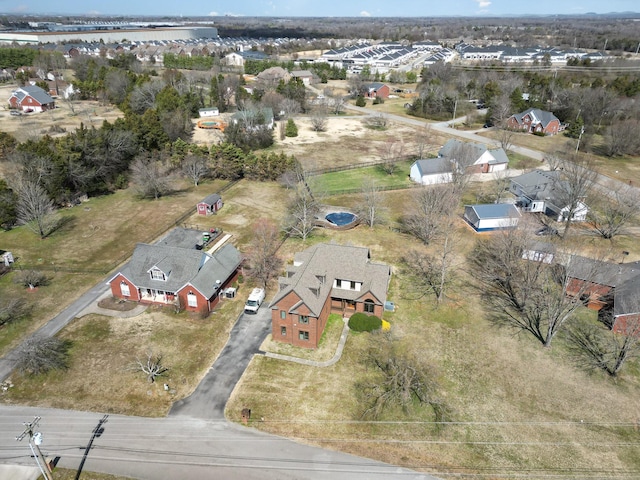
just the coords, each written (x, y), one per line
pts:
(432, 271)
(572, 187)
(143, 97)
(31, 278)
(264, 262)
(302, 212)
(595, 348)
(150, 177)
(429, 206)
(609, 214)
(195, 167)
(151, 366)
(35, 209)
(38, 355)
(371, 207)
(319, 120)
(377, 121)
(13, 309)
(422, 139)
(391, 152)
(402, 380)
(525, 295)
(290, 107)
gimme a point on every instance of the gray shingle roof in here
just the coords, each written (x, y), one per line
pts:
(538, 115)
(36, 92)
(181, 266)
(314, 270)
(432, 166)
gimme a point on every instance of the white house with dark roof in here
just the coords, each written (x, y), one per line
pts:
(541, 191)
(174, 272)
(323, 279)
(31, 98)
(475, 157)
(432, 171)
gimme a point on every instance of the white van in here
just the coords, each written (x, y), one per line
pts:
(256, 297)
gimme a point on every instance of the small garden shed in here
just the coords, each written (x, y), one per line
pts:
(210, 205)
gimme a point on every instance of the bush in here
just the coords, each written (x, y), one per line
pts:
(360, 101)
(361, 322)
(378, 101)
(40, 354)
(291, 130)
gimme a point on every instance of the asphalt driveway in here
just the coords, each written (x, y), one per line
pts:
(210, 397)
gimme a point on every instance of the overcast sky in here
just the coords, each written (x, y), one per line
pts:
(320, 8)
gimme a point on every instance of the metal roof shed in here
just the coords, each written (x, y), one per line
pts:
(493, 216)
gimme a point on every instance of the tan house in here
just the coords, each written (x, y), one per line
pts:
(324, 279)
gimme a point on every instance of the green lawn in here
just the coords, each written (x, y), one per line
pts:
(352, 180)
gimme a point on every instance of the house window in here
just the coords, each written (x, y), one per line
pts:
(303, 335)
(368, 306)
(157, 274)
(353, 285)
(192, 300)
(304, 319)
(124, 289)
(283, 314)
(338, 283)
(283, 331)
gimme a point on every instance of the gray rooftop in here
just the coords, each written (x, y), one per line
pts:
(495, 210)
(312, 274)
(431, 166)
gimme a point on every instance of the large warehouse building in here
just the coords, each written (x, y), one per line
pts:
(108, 34)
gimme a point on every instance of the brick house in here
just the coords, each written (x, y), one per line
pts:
(535, 120)
(610, 288)
(31, 98)
(174, 272)
(324, 279)
(376, 90)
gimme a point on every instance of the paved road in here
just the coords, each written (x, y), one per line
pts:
(181, 448)
(211, 395)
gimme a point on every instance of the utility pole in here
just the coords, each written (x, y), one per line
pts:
(35, 439)
(579, 138)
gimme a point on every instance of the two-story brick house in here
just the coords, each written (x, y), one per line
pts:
(534, 120)
(323, 279)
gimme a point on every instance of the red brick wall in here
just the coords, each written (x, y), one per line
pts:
(315, 327)
(117, 292)
(627, 325)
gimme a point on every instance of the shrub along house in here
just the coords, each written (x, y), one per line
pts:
(324, 279)
(174, 272)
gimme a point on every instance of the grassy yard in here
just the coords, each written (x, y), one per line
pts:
(67, 474)
(337, 182)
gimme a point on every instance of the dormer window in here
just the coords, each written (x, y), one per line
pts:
(157, 274)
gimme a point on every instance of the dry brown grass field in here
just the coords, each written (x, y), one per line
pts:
(516, 406)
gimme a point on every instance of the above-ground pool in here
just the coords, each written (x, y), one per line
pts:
(340, 218)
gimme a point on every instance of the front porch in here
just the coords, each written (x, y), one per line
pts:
(150, 295)
(346, 308)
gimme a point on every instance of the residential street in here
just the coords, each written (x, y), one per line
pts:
(180, 448)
